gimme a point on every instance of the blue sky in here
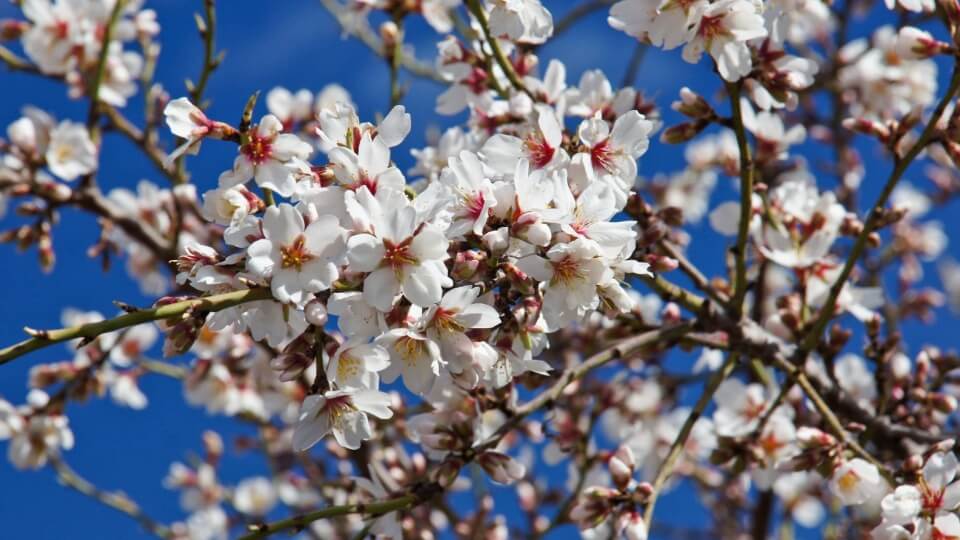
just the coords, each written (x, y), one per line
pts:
(294, 44)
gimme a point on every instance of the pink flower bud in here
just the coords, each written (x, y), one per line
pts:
(914, 44)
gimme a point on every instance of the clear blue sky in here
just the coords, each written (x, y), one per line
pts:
(295, 44)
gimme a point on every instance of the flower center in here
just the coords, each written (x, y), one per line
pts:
(474, 204)
(445, 321)
(257, 150)
(295, 255)
(411, 350)
(398, 255)
(540, 152)
(566, 271)
(601, 156)
(711, 26)
(347, 367)
(337, 408)
(848, 481)
(131, 348)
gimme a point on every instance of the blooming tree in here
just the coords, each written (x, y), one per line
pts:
(520, 297)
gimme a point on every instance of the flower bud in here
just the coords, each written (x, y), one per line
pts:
(497, 241)
(621, 466)
(11, 29)
(867, 127)
(661, 263)
(682, 133)
(915, 44)
(632, 525)
(316, 313)
(290, 365)
(812, 437)
(502, 468)
(466, 264)
(692, 105)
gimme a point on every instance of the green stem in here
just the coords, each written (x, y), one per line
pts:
(94, 113)
(301, 521)
(746, 204)
(217, 302)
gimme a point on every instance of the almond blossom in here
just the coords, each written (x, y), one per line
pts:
(269, 157)
(71, 153)
(297, 257)
(401, 250)
(342, 412)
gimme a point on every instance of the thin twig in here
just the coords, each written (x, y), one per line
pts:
(116, 500)
(375, 44)
(666, 468)
(93, 115)
(660, 336)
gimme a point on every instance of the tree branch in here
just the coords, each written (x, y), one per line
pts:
(666, 468)
(746, 205)
(217, 302)
(116, 500)
(900, 167)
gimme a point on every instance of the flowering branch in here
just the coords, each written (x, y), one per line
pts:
(873, 217)
(216, 302)
(376, 45)
(206, 25)
(746, 198)
(476, 9)
(372, 509)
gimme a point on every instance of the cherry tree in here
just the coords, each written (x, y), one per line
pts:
(525, 295)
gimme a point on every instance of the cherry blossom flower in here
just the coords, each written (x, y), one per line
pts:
(71, 153)
(41, 436)
(540, 147)
(449, 322)
(472, 191)
(524, 21)
(255, 496)
(356, 364)
(343, 412)
(739, 407)
(413, 356)
(615, 152)
(269, 157)
(188, 122)
(570, 274)
(401, 250)
(298, 258)
(854, 481)
(723, 29)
